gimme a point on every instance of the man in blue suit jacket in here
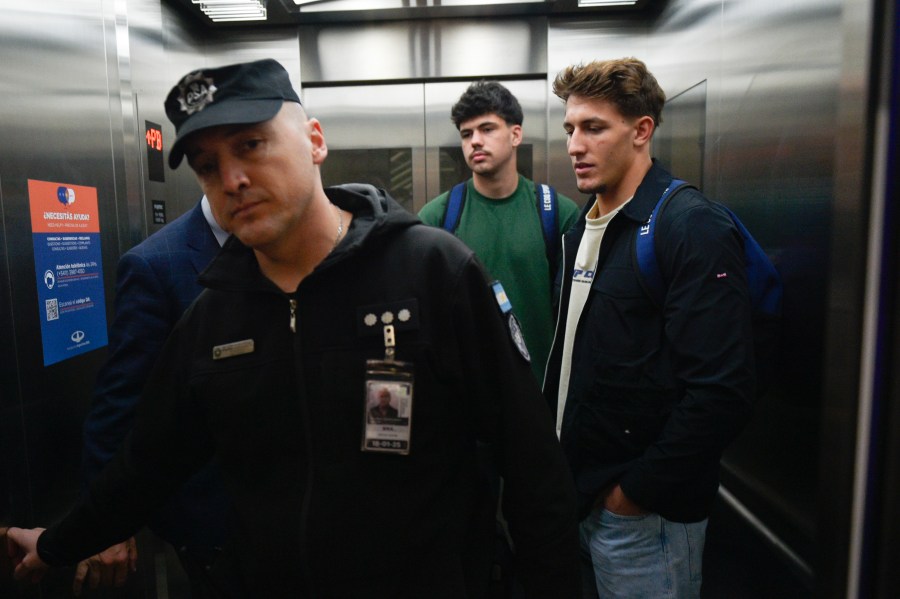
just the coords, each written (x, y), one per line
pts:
(155, 283)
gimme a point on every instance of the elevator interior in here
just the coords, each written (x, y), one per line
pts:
(769, 111)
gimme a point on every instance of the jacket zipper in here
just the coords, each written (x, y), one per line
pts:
(303, 541)
(558, 313)
(293, 304)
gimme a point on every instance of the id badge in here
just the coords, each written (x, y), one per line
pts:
(387, 409)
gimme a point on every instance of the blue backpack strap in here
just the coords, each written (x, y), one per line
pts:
(645, 248)
(763, 280)
(548, 208)
(455, 202)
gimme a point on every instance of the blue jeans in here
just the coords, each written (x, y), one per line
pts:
(642, 557)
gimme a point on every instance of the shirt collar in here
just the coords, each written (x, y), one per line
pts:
(218, 231)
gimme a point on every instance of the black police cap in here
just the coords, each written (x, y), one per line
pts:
(237, 94)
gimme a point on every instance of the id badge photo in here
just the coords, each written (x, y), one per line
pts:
(387, 407)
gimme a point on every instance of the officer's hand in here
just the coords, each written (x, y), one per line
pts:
(21, 546)
(108, 568)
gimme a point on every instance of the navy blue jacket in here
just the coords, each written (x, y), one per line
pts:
(657, 392)
(156, 281)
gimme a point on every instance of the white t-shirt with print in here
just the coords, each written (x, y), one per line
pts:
(582, 278)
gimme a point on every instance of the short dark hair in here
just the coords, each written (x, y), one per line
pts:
(624, 82)
(486, 97)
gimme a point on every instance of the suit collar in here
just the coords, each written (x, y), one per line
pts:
(200, 238)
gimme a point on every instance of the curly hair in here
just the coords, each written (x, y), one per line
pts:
(486, 97)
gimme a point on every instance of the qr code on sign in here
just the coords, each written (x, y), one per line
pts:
(52, 309)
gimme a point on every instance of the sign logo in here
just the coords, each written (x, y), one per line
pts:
(77, 336)
(49, 279)
(65, 195)
(515, 331)
(196, 92)
(548, 200)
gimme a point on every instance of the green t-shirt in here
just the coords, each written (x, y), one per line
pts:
(506, 236)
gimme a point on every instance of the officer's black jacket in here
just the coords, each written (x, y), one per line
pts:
(285, 422)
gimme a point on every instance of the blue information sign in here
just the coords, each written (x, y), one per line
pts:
(65, 229)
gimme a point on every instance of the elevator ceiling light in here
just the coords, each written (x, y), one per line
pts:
(587, 3)
(337, 5)
(233, 10)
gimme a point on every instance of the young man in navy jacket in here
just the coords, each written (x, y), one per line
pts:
(646, 396)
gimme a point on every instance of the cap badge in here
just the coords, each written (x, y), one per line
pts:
(196, 92)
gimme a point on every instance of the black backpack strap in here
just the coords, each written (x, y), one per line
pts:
(455, 203)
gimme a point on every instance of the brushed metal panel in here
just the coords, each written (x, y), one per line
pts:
(489, 47)
(854, 353)
(420, 49)
(382, 122)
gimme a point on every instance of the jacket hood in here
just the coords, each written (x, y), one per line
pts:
(375, 214)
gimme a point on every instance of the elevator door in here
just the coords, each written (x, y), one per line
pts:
(400, 136)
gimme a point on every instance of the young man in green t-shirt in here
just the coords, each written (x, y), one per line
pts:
(500, 221)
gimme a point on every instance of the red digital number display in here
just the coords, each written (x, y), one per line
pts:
(156, 170)
(154, 139)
